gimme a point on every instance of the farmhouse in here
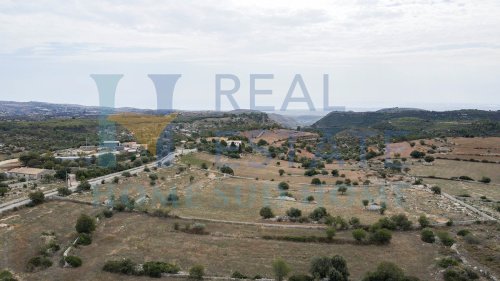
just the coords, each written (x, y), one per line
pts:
(29, 173)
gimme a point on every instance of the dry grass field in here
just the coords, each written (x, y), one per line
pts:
(449, 168)
(227, 248)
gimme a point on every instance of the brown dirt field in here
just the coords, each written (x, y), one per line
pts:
(274, 136)
(123, 236)
(448, 169)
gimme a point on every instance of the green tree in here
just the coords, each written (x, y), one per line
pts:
(387, 271)
(316, 181)
(427, 236)
(294, 213)
(283, 186)
(281, 269)
(85, 224)
(423, 221)
(197, 272)
(359, 234)
(330, 232)
(266, 212)
(281, 172)
(37, 197)
(342, 189)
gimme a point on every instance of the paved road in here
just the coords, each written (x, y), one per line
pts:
(25, 201)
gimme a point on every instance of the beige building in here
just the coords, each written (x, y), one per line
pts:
(30, 173)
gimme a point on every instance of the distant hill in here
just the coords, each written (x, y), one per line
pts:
(398, 110)
(414, 123)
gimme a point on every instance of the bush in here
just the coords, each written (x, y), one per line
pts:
(423, 221)
(334, 268)
(463, 232)
(359, 234)
(73, 261)
(330, 232)
(401, 221)
(238, 275)
(3, 190)
(294, 213)
(427, 236)
(283, 186)
(196, 272)
(316, 181)
(124, 266)
(266, 212)
(365, 202)
(485, 180)
(417, 154)
(381, 236)
(281, 172)
(459, 275)
(84, 239)
(6, 276)
(445, 238)
(126, 174)
(310, 198)
(280, 269)
(429, 159)
(300, 277)
(471, 239)
(436, 190)
(38, 262)
(63, 191)
(116, 180)
(227, 170)
(155, 268)
(153, 177)
(107, 213)
(355, 222)
(466, 178)
(85, 224)
(387, 271)
(37, 197)
(447, 262)
(335, 173)
(83, 186)
(342, 189)
(318, 213)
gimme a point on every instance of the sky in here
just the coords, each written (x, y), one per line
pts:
(434, 54)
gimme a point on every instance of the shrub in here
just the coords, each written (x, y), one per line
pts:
(85, 224)
(283, 186)
(365, 202)
(330, 232)
(281, 172)
(401, 221)
(37, 197)
(84, 239)
(449, 223)
(423, 221)
(463, 232)
(107, 213)
(124, 266)
(429, 159)
(447, 262)
(310, 198)
(266, 212)
(6, 276)
(83, 186)
(335, 173)
(126, 174)
(316, 181)
(471, 239)
(155, 268)
(427, 236)
(227, 170)
(387, 271)
(300, 277)
(3, 190)
(116, 180)
(334, 268)
(459, 275)
(196, 272)
(280, 269)
(63, 191)
(153, 177)
(311, 172)
(147, 170)
(466, 178)
(73, 261)
(238, 275)
(38, 262)
(318, 213)
(381, 236)
(342, 189)
(355, 222)
(417, 154)
(436, 189)
(294, 213)
(445, 238)
(359, 234)
(485, 180)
